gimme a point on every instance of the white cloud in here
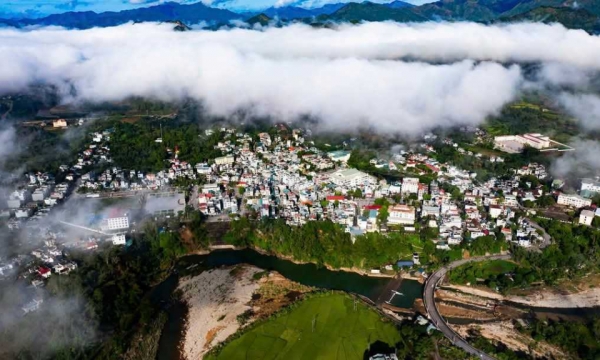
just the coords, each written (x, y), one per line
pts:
(282, 3)
(585, 107)
(583, 162)
(349, 76)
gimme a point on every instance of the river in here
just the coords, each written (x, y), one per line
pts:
(306, 274)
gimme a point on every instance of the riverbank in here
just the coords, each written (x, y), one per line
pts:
(221, 301)
(215, 298)
(506, 333)
(543, 297)
(326, 266)
(362, 272)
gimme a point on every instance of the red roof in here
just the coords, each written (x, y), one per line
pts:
(336, 197)
(372, 207)
(43, 270)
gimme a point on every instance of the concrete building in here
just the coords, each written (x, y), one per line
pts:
(589, 187)
(340, 155)
(510, 201)
(586, 217)
(165, 204)
(573, 200)
(225, 160)
(516, 143)
(351, 178)
(410, 185)
(119, 239)
(430, 210)
(117, 223)
(60, 123)
(401, 215)
(495, 211)
(23, 213)
(14, 203)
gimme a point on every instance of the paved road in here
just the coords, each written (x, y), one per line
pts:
(434, 314)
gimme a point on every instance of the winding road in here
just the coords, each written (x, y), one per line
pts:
(432, 310)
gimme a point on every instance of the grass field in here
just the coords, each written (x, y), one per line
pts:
(481, 270)
(340, 333)
(496, 267)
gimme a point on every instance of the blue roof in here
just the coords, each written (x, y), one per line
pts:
(372, 213)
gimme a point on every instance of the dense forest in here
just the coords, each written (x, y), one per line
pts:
(324, 243)
(134, 146)
(580, 339)
(36, 149)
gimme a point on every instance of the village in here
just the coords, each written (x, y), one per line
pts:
(283, 178)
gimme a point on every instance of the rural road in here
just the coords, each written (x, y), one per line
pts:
(434, 314)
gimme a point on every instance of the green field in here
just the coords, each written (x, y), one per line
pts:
(340, 332)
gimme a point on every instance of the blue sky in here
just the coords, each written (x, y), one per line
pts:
(37, 8)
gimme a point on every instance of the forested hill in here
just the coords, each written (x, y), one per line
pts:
(187, 14)
(584, 16)
(580, 14)
(570, 18)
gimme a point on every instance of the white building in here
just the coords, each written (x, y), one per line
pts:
(495, 211)
(117, 223)
(430, 210)
(573, 200)
(341, 156)
(586, 217)
(352, 178)
(401, 215)
(23, 213)
(225, 160)
(119, 239)
(60, 123)
(516, 143)
(510, 201)
(203, 169)
(590, 186)
(410, 185)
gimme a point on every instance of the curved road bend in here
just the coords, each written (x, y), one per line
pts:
(433, 313)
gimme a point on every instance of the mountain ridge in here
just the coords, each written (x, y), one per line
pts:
(575, 14)
(169, 11)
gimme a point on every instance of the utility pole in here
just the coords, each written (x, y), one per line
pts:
(355, 302)
(314, 321)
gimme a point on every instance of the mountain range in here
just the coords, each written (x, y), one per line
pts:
(576, 14)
